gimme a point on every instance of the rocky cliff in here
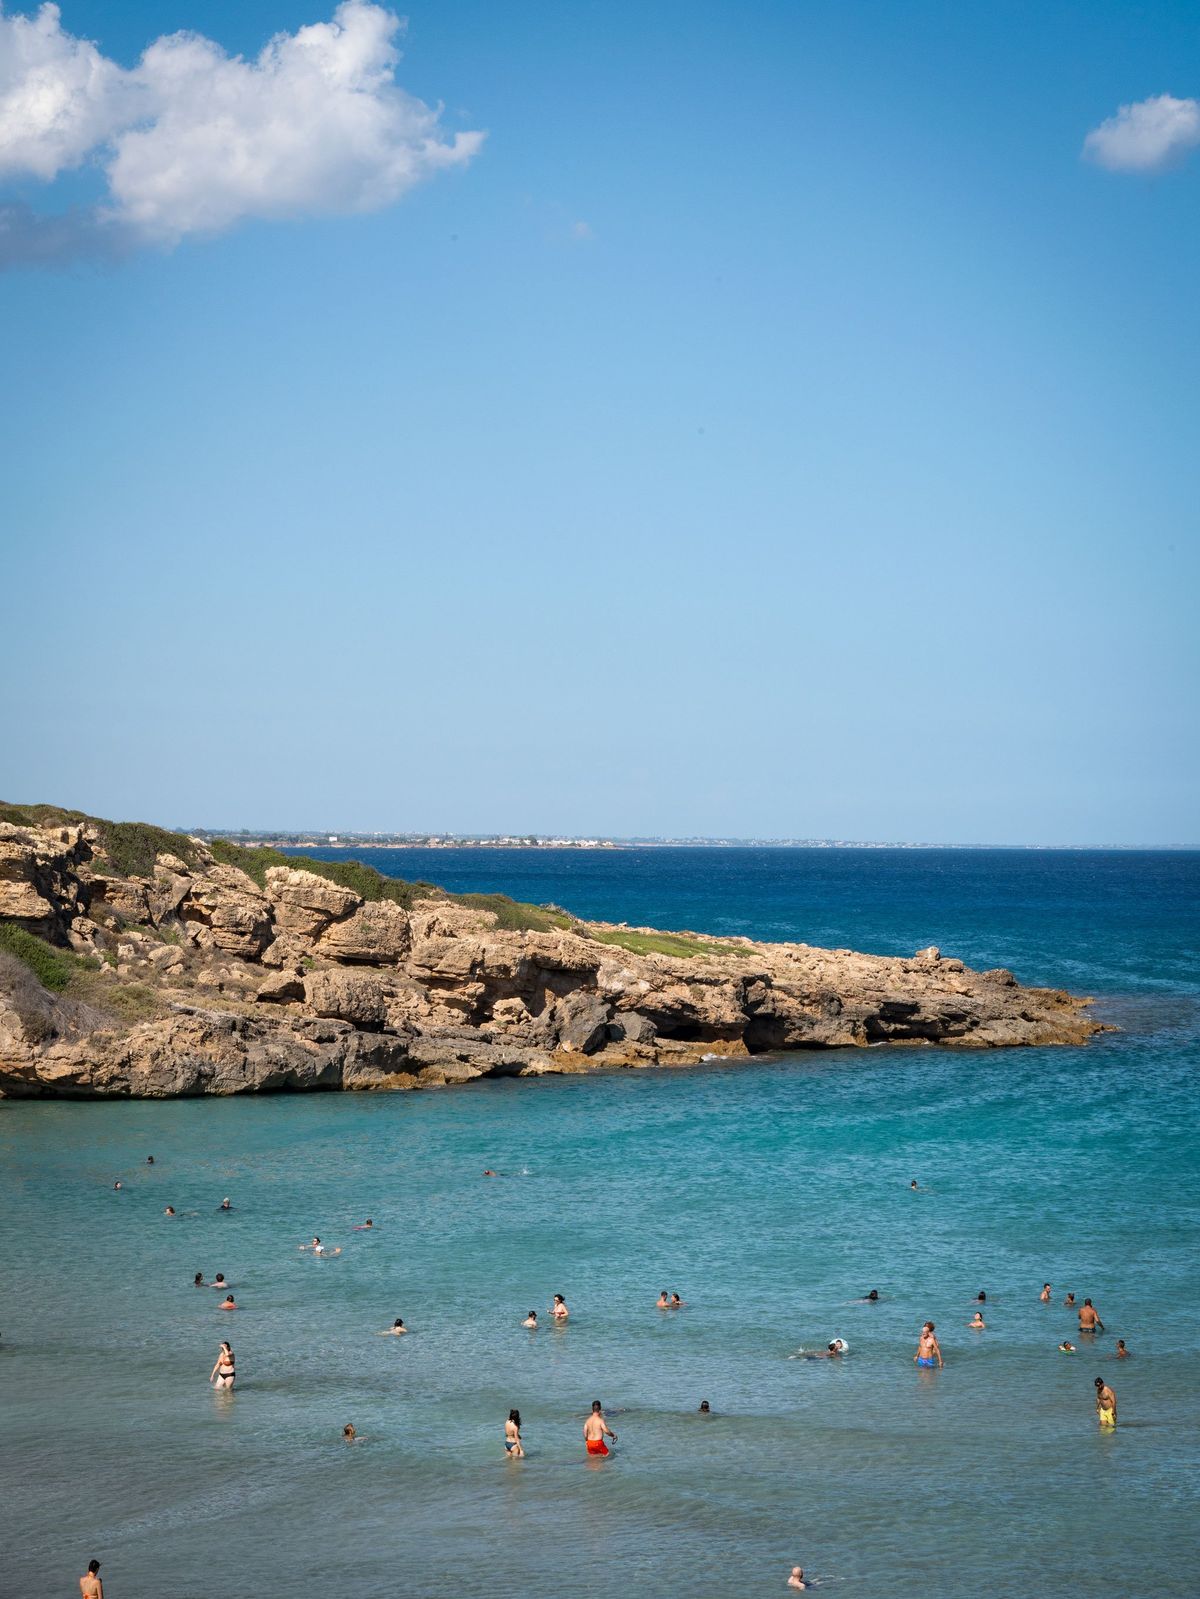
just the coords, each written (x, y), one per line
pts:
(135, 962)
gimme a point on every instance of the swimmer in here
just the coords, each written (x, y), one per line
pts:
(596, 1430)
(981, 1298)
(227, 1303)
(1044, 1296)
(663, 1302)
(705, 1408)
(364, 1226)
(219, 1282)
(796, 1580)
(676, 1302)
(1106, 1404)
(530, 1320)
(170, 1210)
(913, 1185)
(1069, 1302)
(198, 1280)
(512, 1436)
(832, 1351)
(1122, 1352)
(117, 1184)
(559, 1308)
(1089, 1321)
(349, 1434)
(929, 1351)
(1066, 1347)
(977, 1324)
(488, 1172)
(871, 1299)
(90, 1585)
(149, 1160)
(225, 1205)
(398, 1329)
(223, 1373)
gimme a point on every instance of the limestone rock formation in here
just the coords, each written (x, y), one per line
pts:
(191, 978)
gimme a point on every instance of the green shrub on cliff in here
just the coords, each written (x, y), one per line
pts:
(680, 945)
(362, 880)
(129, 847)
(53, 968)
(513, 916)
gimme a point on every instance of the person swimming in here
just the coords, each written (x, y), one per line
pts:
(170, 1210)
(149, 1160)
(530, 1320)
(929, 1351)
(224, 1372)
(1069, 1301)
(117, 1184)
(977, 1323)
(676, 1302)
(198, 1280)
(225, 1205)
(981, 1298)
(1106, 1404)
(227, 1303)
(913, 1184)
(349, 1434)
(1066, 1347)
(398, 1327)
(705, 1408)
(663, 1302)
(796, 1580)
(870, 1299)
(1044, 1296)
(219, 1282)
(512, 1436)
(595, 1430)
(1121, 1351)
(364, 1226)
(559, 1308)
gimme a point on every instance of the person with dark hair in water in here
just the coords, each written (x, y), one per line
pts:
(90, 1586)
(512, 1436)
(596, 1430)
(1106, 1404)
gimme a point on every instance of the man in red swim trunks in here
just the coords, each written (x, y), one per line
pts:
(595, 1430)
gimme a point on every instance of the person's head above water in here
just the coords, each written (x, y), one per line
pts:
(348, 1431)
(149, 1160)
(874, 1294)
(704, 1407)
(981, 1296)
(198, 1279)
(399, 1322)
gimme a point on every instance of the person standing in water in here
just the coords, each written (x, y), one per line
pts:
(1122, 1352)
(531, 1320)
(977, 1324)
(223, 1373)
(559, 1308)
(512, 1436)
(929, 1351)
(1089, 1321)
(1044, 1296)
(1106, 1404)
(596, 1430)
(90, 1586)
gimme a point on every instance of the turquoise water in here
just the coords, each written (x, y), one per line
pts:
(770, 1195)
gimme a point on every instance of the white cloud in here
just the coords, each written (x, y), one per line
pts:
(192, 140)
(1145, 136)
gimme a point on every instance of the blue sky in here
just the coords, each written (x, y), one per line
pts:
(774, 428)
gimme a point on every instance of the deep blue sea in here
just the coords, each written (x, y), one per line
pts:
(770, 1195)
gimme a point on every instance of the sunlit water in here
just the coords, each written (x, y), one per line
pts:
(769, 1195)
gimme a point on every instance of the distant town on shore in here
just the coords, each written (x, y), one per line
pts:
(319, 838)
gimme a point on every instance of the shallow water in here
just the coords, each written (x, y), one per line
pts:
(769, 1195)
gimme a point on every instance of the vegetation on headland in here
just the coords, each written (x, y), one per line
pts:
(75, 977)
(131, 848)
(681, 945)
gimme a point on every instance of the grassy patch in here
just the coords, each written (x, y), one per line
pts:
(677, 944)
(52, 967)
(513, 916)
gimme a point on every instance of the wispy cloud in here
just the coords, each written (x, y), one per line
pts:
(1145, 136)
(192, 140)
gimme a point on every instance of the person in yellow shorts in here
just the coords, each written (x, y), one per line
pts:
(1106, 1404)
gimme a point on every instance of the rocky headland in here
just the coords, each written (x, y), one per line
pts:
(138, 962)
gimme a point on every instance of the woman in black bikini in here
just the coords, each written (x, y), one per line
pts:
(223, 1373)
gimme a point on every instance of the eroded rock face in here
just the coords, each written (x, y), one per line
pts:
(306, 986)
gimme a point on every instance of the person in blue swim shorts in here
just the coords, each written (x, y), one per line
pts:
(929, 1351)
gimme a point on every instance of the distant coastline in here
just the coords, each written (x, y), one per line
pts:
(316, 839)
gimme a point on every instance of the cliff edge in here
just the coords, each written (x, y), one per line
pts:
(143, 963)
